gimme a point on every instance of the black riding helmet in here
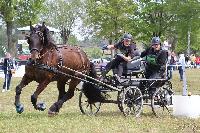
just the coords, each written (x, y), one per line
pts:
(155, 40)
(127, 36)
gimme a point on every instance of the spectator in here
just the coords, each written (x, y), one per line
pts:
(8, 70)
(172, 61)
(180, 68)
(193, 59)
(187, 58)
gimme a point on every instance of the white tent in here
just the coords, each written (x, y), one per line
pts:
(27, 28)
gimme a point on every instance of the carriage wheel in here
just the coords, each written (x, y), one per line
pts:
(86, 107)
(132, 101)
(161, 102)
(119, 100)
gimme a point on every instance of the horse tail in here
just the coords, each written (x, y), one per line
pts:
(92, 91)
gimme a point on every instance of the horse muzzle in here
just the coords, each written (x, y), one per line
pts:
(34, 54)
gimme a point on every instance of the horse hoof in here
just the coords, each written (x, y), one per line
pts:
(41, 106)
(51, 113)
(19, 108)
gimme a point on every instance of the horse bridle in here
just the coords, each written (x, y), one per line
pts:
(40, 34)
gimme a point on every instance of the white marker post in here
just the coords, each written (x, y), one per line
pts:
(185, 92)
(186, 105)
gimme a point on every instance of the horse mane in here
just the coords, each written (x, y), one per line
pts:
(47, 37)
(46, 34)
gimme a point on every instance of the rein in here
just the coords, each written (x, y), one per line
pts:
(56, 71)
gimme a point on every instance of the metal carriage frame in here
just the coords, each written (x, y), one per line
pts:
(130, 99)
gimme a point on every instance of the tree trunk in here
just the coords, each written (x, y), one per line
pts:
(9, 26)
(65, 35)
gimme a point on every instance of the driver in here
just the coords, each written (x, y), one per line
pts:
(156, 59)
(127, 49)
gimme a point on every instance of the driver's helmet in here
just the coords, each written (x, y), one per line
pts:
(127, 36)
(155, 40)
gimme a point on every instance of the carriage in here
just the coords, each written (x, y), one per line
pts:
(66, 64)
(157, 93)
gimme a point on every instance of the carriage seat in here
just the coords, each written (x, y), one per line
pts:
(131, 68)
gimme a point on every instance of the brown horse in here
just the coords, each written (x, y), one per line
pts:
(44, 51)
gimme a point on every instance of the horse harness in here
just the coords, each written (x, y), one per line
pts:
(57, 48)
(60, 60)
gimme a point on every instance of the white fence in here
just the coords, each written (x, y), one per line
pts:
(18, 73)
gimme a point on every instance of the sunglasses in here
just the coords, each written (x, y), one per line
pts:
(127, 40)
(155, 44)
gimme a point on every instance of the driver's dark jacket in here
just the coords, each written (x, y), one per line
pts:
(126, 50)
(115, 63)
(159, 67)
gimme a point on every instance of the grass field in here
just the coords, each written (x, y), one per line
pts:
(108, 120)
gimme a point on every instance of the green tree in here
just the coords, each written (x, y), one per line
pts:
(109, 18)
(63, 14)
(186, 21)
(169, 19)
(72, 40)
(93, 52)
(153, 19)
(19, 12)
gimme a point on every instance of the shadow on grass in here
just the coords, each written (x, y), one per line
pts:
(147, 114)
(13, 115)
(71, 115)
(109, 113)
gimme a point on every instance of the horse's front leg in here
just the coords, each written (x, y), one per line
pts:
(40, 106)
(25, 81)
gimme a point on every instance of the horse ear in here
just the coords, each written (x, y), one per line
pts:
(43, 26)
(31, 27)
